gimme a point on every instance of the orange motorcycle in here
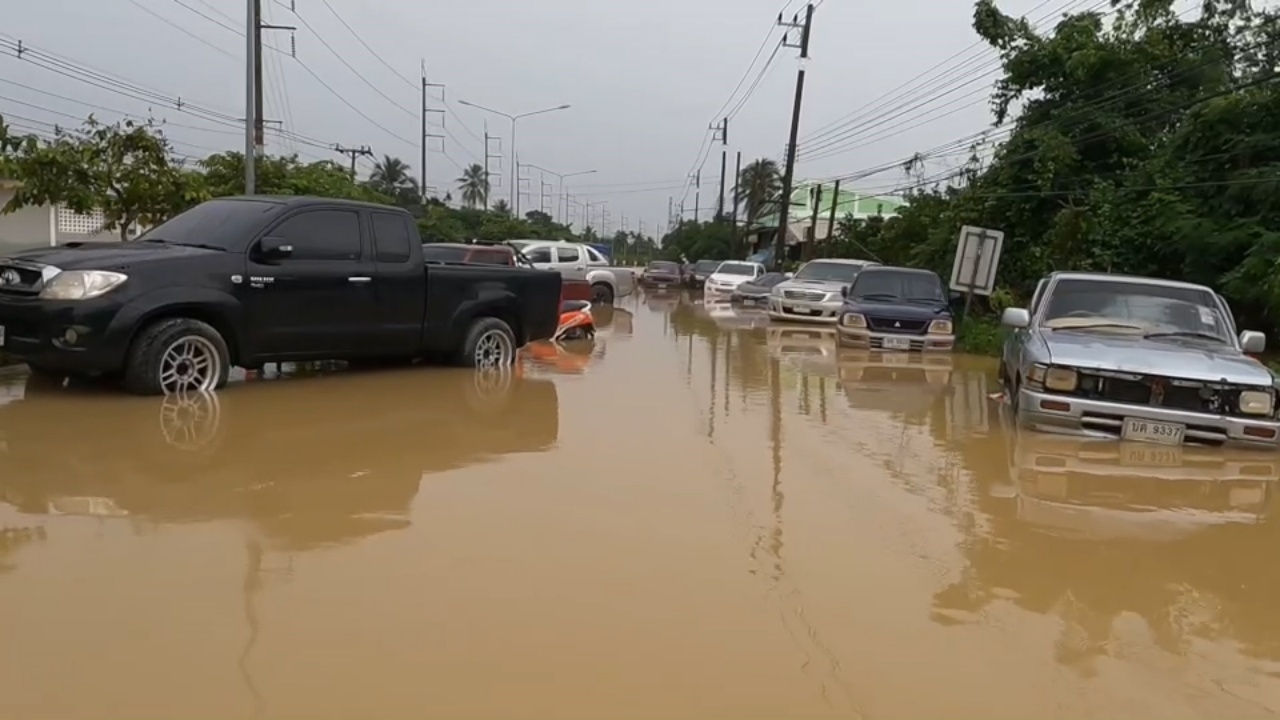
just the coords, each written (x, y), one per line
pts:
(576, 322)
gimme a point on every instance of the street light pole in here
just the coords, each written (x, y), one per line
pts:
(560, 177)
(515, 167)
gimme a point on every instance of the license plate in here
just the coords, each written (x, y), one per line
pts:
(1151, 456)
(1152, 432)
(748, 301)
(896, 343)
(662, 286)
(801, 311)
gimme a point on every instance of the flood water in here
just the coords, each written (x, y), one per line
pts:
(699, 516)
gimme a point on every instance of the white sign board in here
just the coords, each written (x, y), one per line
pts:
(977, 258)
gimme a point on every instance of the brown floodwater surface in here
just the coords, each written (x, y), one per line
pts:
(697, 515)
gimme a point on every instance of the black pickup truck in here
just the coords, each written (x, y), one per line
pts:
(255, 280)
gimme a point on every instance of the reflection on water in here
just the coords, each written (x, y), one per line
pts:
(697, 514)
(333, 459)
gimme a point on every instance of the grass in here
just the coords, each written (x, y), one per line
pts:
(978, 335)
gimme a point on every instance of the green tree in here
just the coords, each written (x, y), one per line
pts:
(125, 170)
(474, 185)
(391, 178)
(284, 175)
(502, 208)
(759, 186)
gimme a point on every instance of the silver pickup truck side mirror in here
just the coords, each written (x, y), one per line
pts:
(1017, 318)
(1252, 341)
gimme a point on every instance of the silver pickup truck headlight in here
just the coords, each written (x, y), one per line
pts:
(81, 284)
(1256, 402)
(1060, 379)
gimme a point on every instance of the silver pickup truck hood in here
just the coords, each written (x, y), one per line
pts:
(1168, 357)
(825, 286)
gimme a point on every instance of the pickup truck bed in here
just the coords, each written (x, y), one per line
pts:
(248, 281)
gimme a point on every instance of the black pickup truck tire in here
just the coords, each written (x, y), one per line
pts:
(176, 356)
(489, 344)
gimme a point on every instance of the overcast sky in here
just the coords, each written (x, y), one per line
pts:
(644, 79)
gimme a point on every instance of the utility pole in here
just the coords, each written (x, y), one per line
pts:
(788, 176)
(354, 153)
(250, 51)
(737, 178)
(426, 127)
(491, 156)
(697, 194)
(831, 219)
(815, 197)
(723, 130)
(259, 136)
(670, 209)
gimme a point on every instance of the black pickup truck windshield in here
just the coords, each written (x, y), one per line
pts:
(219, 223)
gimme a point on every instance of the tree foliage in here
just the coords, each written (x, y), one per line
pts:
(693, 240)
(1142, 141)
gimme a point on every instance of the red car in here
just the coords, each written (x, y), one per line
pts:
(497, 255)
(661, 275)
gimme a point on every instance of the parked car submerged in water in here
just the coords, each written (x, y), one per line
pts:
(816, 292)
(730, 274)
(895, 308)
(661, 275)
(755, 292)
(1138, 359)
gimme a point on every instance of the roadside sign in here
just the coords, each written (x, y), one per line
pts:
(977, 259)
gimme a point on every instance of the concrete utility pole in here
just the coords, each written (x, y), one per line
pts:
(426, 127)
(490, 155)
(259, 136)
(697, 194)
(250, 57)
(354, 153)
(733, 228)
(723, 130)
(788, 176)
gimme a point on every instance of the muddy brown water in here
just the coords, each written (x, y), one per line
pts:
(698, 516)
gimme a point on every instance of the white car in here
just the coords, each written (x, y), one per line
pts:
(730, 274)
(575, 261)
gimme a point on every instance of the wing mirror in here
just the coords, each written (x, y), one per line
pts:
(1253, 342)
(1017, 318)
(844, 291)
(955, 298)
(274, 248)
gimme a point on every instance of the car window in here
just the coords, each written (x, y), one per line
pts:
(567, 254)
(736, 268)
(706, 266)
(769, 279)
(1035, 299)
(667, 267)
(1147, 307)
(390, 238)
(444, 253)
(538, 254)
(890, 285)
(595, 255)
(829, 271)
(322, 235)
(491, 257)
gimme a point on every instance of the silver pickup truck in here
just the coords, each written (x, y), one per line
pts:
(575, 261)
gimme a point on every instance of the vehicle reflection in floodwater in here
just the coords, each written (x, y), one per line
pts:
(310, 464)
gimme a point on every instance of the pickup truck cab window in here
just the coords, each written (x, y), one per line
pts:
(491, 256)
(322, 235)
(594, 257)
(390, 238)
(539, 255)
(567, 255)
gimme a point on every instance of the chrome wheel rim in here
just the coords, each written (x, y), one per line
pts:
(190, 421)
(494, 350)
(190, 365)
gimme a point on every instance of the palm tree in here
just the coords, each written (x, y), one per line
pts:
(391, 177)
(474, 185)
(759, 186)
(502, 208)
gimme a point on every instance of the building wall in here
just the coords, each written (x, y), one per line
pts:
(26, 228)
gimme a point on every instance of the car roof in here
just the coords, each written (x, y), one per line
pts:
(1138, 279)
(843, 261)
(900, 269)
(467, 246)
(294, 200)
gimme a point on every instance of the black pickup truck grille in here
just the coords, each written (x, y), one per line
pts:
(893, 325)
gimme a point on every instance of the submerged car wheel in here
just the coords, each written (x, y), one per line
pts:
(177, 356)
(489, 344)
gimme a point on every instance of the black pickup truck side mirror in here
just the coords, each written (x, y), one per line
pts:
(274, 248)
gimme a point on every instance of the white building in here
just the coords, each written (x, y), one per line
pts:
(46, 225)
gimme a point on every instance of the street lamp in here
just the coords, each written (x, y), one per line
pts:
(561, 176)
(515, 169)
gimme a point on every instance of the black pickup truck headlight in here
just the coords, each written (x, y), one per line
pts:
(81, 284)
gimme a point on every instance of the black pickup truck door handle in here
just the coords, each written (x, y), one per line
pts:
(360, 279)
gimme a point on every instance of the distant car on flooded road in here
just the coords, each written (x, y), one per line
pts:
(755, 292)
(661, 275)
(700, 271)
(1139, 359)
(816, 292)
(730, 274)
(895, 308)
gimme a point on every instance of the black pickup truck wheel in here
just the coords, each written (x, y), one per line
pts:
(489, 344)
(177, 356)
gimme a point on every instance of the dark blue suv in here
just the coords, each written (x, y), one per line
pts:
(895, 308)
